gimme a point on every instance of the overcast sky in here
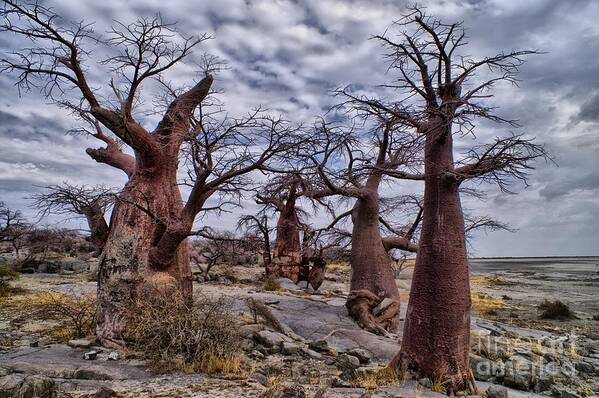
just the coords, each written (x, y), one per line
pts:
(289, 55)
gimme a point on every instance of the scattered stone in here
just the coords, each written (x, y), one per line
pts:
(104, 392)
(10, 385)
(482, 368)
(320, 346)
(339, 382)
(257, 355)
(80, 343)
(249, 330)
(34, 386)
(425, 382)
(564, 392)
(113, 356)
(584, 367)
(5, 370)
(260, 378)
(496, 391)
(311, 353)
(90, 355)
(518, 373)
(270, 339)
(320, 393)
(290, 348)
(295, 391)
(34, 344)
(347, 362)
(363, 355)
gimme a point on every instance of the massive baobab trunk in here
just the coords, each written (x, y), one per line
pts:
(372, 277)
(125, 268)
(287, 254)
(147, 242)
(437, 327)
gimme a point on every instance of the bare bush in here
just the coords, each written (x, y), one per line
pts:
(175, 334)
(73, 313)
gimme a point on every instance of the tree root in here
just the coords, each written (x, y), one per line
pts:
(360, 305)
(455, 385)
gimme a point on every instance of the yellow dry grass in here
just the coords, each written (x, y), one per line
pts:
(381, 377)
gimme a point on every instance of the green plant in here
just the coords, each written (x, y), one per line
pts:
(175, 334)
(555, 310)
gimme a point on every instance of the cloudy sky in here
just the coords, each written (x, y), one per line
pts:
(289, 55)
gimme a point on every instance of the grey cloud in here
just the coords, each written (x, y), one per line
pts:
(589, 181)
(288, 55)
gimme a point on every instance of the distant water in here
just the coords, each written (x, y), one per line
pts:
(575, 266)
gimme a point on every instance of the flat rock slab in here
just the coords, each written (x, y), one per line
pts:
(314, 319)
(61, 361)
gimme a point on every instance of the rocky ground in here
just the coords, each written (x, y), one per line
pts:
(316, 351)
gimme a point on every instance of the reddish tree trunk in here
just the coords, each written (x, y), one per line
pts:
(98, 228)
(287, 255)
(372, 277)
(437, 327)
(125, 268)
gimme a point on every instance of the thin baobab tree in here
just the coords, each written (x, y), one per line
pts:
(442, 93)
(354, 163)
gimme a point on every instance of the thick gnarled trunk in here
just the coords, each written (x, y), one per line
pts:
(372, 277)
(287, 254)
(125, 271)
(437, 327)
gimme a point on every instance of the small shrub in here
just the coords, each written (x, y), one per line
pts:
(271, 284)
(596, 317)
(555, 310)
(198, 336)
(7, 275)
(74, 315)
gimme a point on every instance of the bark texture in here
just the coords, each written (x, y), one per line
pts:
(437, 327)
(125, 268)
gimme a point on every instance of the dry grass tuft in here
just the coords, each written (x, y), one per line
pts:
(177, 335)
(339, 267)
(487, 305)
(380, 377)
(438, 385)
(271, 284)
(275, 386)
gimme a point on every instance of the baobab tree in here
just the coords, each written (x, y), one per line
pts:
(150, 223)
(91, 202)
(257, 225)
(281, 196)
(353, 163)
(442, 93)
